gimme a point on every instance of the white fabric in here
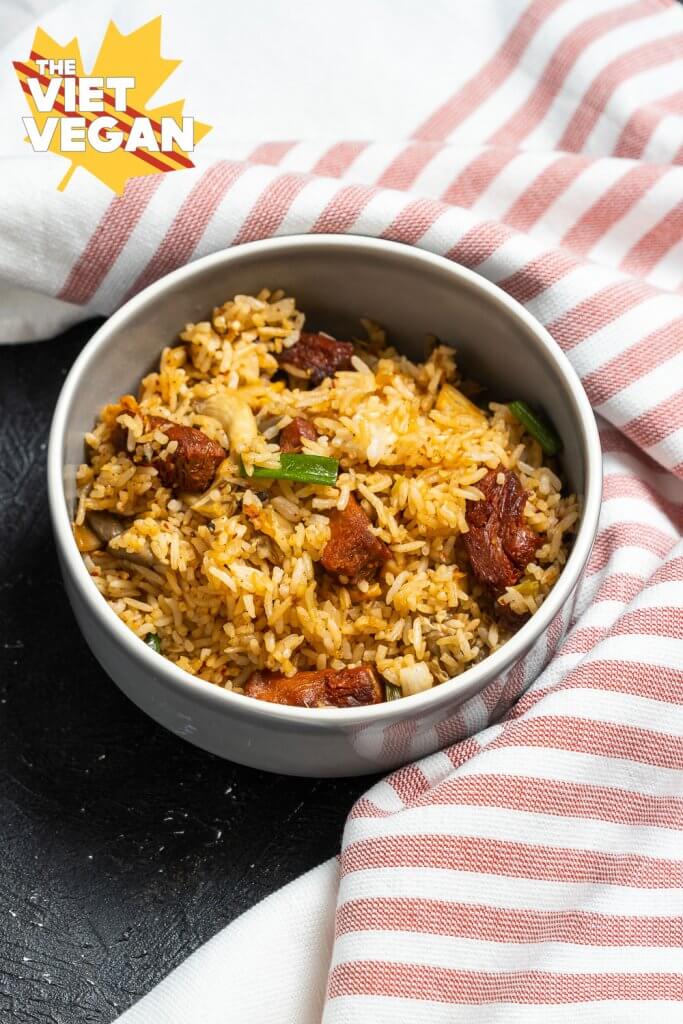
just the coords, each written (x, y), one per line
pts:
(258, 70)
(268, 967)
(16, 14)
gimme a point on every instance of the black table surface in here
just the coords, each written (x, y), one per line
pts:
(123, 848)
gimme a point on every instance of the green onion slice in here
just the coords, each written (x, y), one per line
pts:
(392, 692)
(153, 641)
(304, 469)
(537, 427)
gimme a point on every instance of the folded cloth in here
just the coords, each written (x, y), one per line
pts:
(268, 967)
(533, 870)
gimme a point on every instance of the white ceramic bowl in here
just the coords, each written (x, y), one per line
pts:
(336, 279)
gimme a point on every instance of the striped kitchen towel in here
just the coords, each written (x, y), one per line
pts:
(533, 870)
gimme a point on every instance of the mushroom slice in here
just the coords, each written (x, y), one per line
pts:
(236, 418)
(107, 527)
(86, 539)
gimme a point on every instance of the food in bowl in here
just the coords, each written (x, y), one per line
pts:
(315, 521)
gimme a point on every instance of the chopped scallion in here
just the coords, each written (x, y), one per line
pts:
(392, 692)
(297, 466)
(539, 428)
(153, 641)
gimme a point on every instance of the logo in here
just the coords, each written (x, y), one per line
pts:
(101, 121)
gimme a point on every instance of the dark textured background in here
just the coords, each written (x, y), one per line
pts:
(122, 847)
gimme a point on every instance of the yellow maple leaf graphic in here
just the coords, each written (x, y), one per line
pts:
(136, 56)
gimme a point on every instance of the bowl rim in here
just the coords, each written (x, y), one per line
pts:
(474, 679)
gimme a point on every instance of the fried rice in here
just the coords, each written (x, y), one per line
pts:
(229, 580)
